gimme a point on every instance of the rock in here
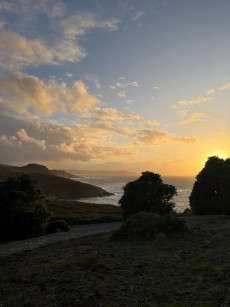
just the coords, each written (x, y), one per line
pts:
(193, 227)
(160, 236)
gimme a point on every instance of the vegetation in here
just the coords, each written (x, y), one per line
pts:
(75, 212)
(147, 193)
(52, 186)
(146, 225)
(95, 271)
(58, 225)
(211, 190)
(19, 215)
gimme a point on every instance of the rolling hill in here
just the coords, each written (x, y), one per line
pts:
(51, 185)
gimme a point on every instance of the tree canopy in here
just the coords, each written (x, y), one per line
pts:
(147, 193)
(19, 216)
(211, 190)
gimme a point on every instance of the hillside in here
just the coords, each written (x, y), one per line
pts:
(53, 186)
(64, 174)
(103, 173)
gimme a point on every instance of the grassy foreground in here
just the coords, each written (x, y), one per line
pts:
(76, 212)
(182, 270)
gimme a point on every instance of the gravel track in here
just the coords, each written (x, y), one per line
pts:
(77, 231)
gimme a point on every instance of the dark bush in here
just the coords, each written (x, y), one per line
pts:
(211, 190)
(147, 193)
(58, 225)
(144, 225)
(20, 215)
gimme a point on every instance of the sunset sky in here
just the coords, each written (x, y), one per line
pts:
(115, 84)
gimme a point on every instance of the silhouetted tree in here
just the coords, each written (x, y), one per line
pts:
(19, 216)
(147, 193)
(211, 190)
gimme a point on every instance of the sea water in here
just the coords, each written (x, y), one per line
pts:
(114, 185)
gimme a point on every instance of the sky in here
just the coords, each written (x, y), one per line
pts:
(115, 84)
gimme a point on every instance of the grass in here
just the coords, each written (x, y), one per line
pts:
(75, 212)
(183, 270)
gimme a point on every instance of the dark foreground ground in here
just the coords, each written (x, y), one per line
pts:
(181, 270)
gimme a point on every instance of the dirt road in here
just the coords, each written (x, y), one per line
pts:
(77, 231)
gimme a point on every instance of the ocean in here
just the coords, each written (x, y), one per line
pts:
(114, 185)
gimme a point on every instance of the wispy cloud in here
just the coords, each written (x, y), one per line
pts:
(186, 140)
(195, 118)
(114, 114)
(122, 94)
(18, 51)
(138, 16)
(194, 101)
(210, 91)
(224, 87)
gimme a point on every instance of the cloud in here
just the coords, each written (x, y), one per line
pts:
(224, 87)
(5, 5)
(49, 142)
(195, 118)
(112, 87)
(134, 83)
(137, 16)
(124, 85)
(24, 137)
(20, 138)
(27, 91)
(194, 101)
(122, 94)
(113, 114)
(150, 137)
(129, 101)
(69, 75)
(152, 123)
(18, 51)
(156, 88)
(210, 91)
(187, 140)
(153, 137)
(94, 79)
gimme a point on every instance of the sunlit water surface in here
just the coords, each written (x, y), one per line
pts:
(114, 185)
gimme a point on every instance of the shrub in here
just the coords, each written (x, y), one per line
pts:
(211, 190)
(58, 225)
(19, 215)
(146, 225)
(147, 193)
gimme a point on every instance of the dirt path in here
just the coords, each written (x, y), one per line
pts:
(77, 231)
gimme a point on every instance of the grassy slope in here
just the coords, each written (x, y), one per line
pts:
(95, 271)
(75, 212)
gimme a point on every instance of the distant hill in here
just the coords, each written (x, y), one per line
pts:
(51, 185)
(103, 173)
(64, 174)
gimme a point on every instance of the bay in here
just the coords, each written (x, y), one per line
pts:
(114, 185)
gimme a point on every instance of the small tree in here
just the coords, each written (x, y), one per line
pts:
(19, 216)
(211, 190)
(147, 193)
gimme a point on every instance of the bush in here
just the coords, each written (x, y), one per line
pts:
(58, 225)
(20, 216)
(147, 193)
(144, 225)
(211, 190)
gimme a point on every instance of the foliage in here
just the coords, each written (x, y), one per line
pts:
(76, 212)
(211, 190)
(58, 225)
(19, 214)
(146, 225)
(147, 193)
